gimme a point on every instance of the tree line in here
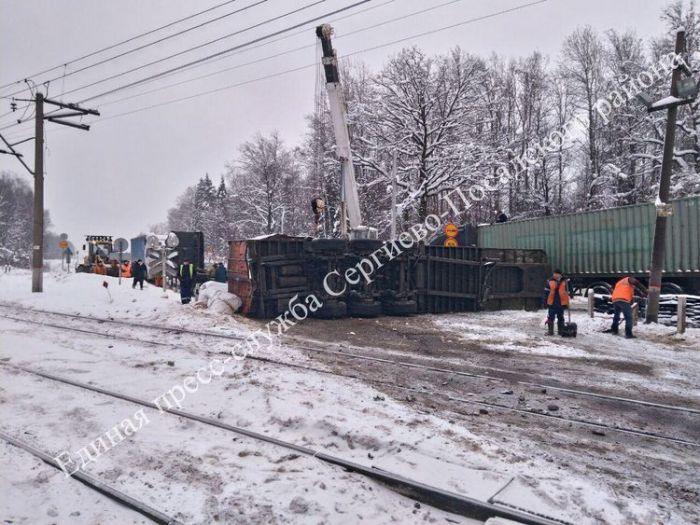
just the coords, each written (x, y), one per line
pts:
(450, 121)
(16, 223)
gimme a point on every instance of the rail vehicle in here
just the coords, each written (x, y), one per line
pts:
(596, 248)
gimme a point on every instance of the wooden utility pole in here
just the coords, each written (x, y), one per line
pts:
(73, 110)
(38, 233)
(657, 255)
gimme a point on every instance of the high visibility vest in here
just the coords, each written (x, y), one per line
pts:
(191, 269)
(563, 292)
(624, 291)
(126, 270)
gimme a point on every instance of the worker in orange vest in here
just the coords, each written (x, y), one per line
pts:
(622, 299)
(100, 267)
(556, 297)
(126, 269)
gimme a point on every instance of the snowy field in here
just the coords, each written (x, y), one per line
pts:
(201, 475)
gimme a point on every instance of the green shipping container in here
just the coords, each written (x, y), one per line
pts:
(608, 243)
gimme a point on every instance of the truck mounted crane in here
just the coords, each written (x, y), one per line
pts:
(350, 214)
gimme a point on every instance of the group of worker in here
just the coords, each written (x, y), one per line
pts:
(556, 297)
(187, 275)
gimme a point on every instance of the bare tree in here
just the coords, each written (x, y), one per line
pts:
(582, 66)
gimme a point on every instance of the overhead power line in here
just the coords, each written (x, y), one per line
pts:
(149, 44)
(234, 48)
(288, 51)
(251, 48)
(199, 46)
(345, 56)
(112, 46)
(312, 65)
(278, 17)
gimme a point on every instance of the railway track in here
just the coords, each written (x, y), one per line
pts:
(594, 425)
(95, 484)
(490, 374)
(436, 497)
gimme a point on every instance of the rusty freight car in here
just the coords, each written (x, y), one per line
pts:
(267, 272)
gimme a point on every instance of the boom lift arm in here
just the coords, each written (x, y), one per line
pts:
(349, 195)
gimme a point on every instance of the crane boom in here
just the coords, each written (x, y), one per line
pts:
(349, 193)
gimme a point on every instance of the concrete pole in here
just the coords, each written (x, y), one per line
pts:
(393, 199)
(681, 319)
(657, 254)
(38, 231)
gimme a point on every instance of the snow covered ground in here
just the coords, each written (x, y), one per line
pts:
(202, 475)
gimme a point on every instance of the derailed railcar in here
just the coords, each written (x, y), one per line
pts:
(268, 272)
(598, 247)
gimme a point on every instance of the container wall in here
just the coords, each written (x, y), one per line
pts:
(605, 242)
(267, 273)
(467, 279)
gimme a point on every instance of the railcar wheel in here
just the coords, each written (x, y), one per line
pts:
(331, 310)
(400, 308)
(362, 309)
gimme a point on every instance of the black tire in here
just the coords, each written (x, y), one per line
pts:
(362, 309)
(82, 269)
(671, 288)
(331, 310)
(600, 287)
(364, 245)
(400, 308)
(328, 245)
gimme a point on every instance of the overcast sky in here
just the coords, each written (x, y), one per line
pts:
(125, 173)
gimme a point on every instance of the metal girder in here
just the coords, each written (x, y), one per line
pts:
(84, 127)
(76, 107)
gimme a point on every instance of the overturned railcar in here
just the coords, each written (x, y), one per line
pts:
(269, 272)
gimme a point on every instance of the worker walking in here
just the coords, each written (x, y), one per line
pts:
(220, 273)
(622, 299)
(186, 274)
(138, 271)
(126, 269)
(556, 296)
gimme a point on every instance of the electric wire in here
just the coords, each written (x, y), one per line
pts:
(149, 44)
(307, 66)
(286, 52)
(112, 46)
(198, 46)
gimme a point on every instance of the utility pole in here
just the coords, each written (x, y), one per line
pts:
(657, 255)
(393, 199)
(38, 233)
(38, 172)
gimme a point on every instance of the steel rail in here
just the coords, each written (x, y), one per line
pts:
(436, 497)
(462, 373)
(389, 384)
(95, 484)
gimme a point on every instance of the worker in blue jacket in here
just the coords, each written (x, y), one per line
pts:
(220, 273)
(187, 276)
